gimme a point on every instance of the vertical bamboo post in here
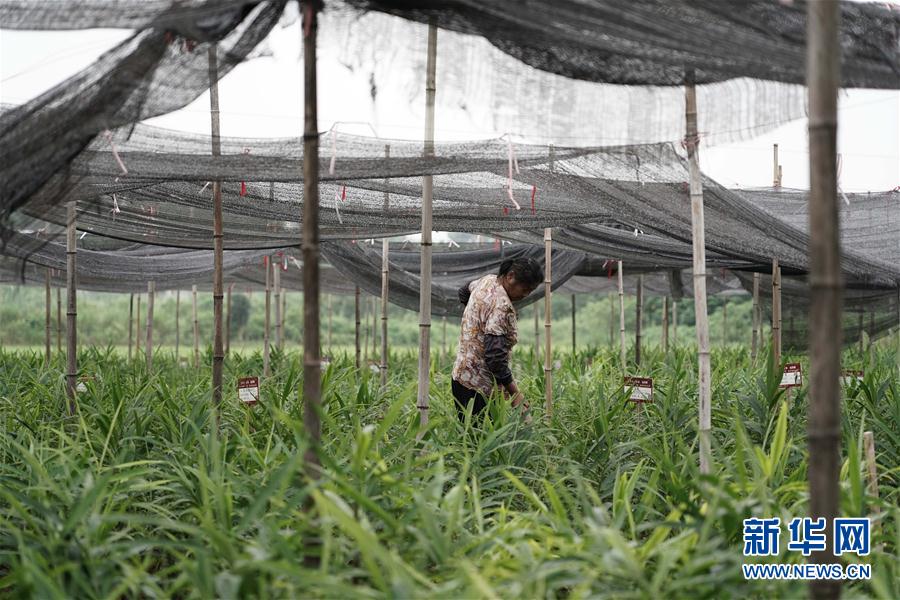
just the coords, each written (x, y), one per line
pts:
(329, 322)
(623, 360)
(218, 350)
(130, 324)
(548, 314)
(268, 317)
(674, 323)
(638, 320)
(312, 383)
(692, 141)
(151, 292)
(871, 469)
(725, 322)
(365, 308)
(754, 316)
(196, 327)
(137, 328)
(356, 332)
(424, 367)
(776, 313)
(71, 309)
(612, 320)
(228, 319)
(574, 325)
(276, 281)
(47, 312)
(826, 285)
(177, 326)
(385, 264)
(58, 320)
(665, 325)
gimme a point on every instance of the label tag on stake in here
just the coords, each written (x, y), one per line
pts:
(792, 376)
(81, 386)
(248, 390)
(640, 389)
(851, 377)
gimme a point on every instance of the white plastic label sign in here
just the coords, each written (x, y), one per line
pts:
(850, 377)
(640, 389)
(792, 376)
(248, 390)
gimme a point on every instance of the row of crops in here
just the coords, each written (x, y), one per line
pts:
(137, 495)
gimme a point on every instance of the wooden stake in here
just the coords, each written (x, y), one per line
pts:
(177, 326)
(71, 309)
(228, 319)
(776, 314)
(312, 382)
(385, 264)
(130, 324)
(548, 314)
(196, 327)
(754, 316)
(639, 317)
(574, 325)
(218, 349)
(268, 318)
(424, 367)
(47, 312)
(826, 285)
(692, 141)
(356, 332)
(665, 325)
(151, 292)
(623, 360)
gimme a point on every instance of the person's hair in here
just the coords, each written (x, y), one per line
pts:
(526, 270)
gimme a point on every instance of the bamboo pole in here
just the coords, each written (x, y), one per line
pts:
(130, 324)
(137, 328)
(312, 383)
(665, 325)
(698, 235)
(47, 312)
(754, 316)
(276, 282)
(574, 325)
(638, 321)
(548, 314)
(151, 292)
(228, 319)
(424, 366)
(177, 326)
(826, 285)
(385, 265)
(623, 360)
(674, 323)
(196, 327)
(871, 470)
(776, 313)
(725, 322)
(356, 332)
(71, 309)
(218, 350)
(58, 320)
(268, 318)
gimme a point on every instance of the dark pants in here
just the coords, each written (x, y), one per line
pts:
(462, 395)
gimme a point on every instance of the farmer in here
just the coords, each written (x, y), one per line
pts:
(489, 332)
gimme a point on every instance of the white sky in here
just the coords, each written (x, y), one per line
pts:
(263, 98)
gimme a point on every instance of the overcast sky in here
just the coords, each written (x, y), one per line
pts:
(263, 98)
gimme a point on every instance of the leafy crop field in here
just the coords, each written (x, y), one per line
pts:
(138, 496)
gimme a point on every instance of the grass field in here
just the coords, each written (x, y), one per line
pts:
(137, 496)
